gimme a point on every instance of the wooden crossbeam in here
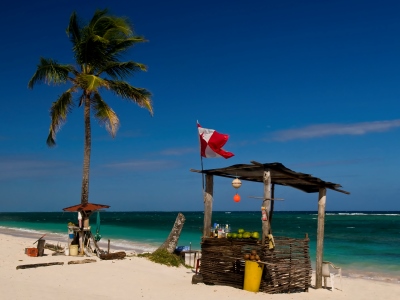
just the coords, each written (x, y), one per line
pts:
(273, 199)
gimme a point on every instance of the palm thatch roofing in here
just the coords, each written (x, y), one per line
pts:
(279, 175)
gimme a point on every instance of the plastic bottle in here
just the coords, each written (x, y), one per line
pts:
(220, 232)
(216, 230)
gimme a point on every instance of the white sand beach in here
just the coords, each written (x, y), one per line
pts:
(138, 278)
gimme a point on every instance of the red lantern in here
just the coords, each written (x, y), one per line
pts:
(236, 198)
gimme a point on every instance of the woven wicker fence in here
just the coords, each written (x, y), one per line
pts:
(287, 267)
(220, 261)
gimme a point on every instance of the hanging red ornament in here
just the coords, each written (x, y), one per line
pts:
(236, 198)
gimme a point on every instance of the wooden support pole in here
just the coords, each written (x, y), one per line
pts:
(208, 200)
(272, 204)
(320, 237)
(81, 241)
(267, 204)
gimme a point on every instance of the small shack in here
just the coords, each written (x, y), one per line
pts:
(288, 266)
(80, 235)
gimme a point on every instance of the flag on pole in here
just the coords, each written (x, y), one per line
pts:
(211, 143)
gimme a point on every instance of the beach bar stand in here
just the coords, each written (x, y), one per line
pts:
(83, 232)
(287, 266)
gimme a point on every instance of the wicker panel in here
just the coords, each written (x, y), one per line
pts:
(289, 266)
(287, 269)
(220, 261)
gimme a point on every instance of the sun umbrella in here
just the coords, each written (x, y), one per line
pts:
(86, 207)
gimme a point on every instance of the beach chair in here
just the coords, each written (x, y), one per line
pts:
(326, 273)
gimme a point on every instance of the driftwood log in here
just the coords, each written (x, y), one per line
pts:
(172, 241)
(56, 248)
(115, 255)
(39, 265)
(83, 261)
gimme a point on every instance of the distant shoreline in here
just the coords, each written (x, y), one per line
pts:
(62, 239)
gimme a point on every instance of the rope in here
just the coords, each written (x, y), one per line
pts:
(97, 236)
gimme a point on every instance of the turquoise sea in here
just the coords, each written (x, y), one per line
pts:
(364, 244)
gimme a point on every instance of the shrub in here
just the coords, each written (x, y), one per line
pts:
(162, 256)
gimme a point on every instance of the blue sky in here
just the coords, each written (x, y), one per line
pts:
(311, 84)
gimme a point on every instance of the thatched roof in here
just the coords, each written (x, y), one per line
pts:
(279, 175)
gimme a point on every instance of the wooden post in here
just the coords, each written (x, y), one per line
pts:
(81, 241)
(272, 204)
(267, 204)
(320, 237)
(208, 199)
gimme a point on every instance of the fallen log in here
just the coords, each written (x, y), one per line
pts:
(115, 255)
(57, 248)
(58, 253)
(39, 265)
(83, 261)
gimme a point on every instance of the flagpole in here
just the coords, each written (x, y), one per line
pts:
(202, 174)
(201, 159)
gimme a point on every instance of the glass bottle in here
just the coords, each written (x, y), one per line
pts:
(220, 232)
(216, 230)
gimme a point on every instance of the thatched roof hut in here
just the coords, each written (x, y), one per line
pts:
(271, 174)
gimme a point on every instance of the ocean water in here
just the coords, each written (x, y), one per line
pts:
(364, 244)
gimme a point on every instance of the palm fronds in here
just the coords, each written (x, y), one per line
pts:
(140, 96)
(58, 114)
(90, 83)
(104, 114)
(104, 39)
(49, 71)
(97, 46)
(120, 70)
(73, 30)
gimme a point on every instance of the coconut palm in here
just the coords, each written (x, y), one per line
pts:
(97, 47)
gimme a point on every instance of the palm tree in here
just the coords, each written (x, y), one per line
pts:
(97, 48)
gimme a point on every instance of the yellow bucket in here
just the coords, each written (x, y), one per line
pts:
(252, 276)
(73, 250)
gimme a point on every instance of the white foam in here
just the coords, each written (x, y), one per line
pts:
(360, 214)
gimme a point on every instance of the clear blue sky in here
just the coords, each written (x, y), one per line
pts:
(314, 85)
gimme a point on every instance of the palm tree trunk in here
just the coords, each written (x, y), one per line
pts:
(86, 153)
(172, 241)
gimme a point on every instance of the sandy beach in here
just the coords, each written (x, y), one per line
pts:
(138, 278)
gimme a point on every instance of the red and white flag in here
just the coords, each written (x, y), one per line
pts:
(211, 143)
